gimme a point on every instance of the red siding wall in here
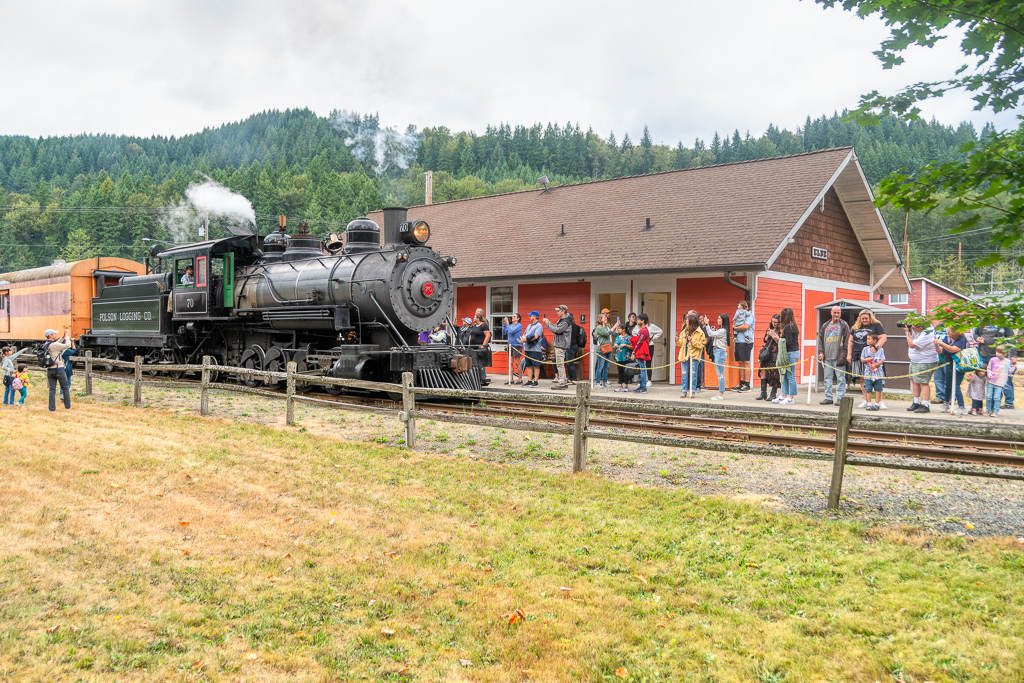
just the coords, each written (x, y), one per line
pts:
(772, 297)
(539, 297)
(710, 296)
(854, 294)
(812, 299)
(469, 299)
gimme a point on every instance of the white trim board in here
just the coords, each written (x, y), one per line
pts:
(815, 282)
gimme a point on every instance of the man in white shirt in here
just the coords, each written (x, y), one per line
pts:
(924, 360)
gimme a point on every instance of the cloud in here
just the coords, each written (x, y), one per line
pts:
(685, 69)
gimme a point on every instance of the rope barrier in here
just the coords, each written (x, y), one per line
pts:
(520, 356)
(711, 361)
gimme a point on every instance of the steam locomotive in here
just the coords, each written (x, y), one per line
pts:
(348, 308)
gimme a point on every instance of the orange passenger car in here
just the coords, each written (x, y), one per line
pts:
(56, 296)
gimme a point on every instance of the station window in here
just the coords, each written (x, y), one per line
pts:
(500, 307)
(898, 298)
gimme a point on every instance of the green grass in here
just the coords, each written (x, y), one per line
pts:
(305, 554)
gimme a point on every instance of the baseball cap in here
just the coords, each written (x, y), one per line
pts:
(467, 320)
(49, 332)
(536, 313)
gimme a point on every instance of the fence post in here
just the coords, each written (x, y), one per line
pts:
(137, 396)
(839, 462)
(579, 432)
(204, 388)
(289, 401)
(88, 373)
(408, 407)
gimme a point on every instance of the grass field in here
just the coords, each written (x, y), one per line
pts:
(136, 544)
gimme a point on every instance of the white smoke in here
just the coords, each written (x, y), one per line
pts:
(383, 148)
(204, 201)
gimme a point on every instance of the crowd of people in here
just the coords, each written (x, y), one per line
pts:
(848, 354)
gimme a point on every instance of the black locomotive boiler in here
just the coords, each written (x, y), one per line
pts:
(350, 308)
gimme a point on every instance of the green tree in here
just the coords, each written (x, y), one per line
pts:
(992, 37)
(953, 273)
(79, 246)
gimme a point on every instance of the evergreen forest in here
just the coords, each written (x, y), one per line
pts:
(85, 195)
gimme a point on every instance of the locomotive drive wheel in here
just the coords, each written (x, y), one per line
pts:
(153, 357)
(176, 357)
(252, 359)
(274, 361)
(127, 355)
(215, 375)
(299, 358)
(109, 354)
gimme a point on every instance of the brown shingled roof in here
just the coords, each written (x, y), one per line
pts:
(713, 217)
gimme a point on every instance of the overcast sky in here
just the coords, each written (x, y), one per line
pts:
(684, 68)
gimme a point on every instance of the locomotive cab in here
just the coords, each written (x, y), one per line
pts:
(204, 276)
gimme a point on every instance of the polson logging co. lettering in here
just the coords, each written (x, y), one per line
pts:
(125, 316)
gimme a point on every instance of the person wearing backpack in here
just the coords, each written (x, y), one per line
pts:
(576, 346)
(51, 357)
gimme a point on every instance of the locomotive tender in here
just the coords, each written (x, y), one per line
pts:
(351, 309)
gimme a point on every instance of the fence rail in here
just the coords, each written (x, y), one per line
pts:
(581, 405)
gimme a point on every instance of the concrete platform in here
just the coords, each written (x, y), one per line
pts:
(896, 404)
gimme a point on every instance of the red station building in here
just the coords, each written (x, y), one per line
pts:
(927, 295)
(794, 231)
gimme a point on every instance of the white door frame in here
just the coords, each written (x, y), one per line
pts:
(664, 283)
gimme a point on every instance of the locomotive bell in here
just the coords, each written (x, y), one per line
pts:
(333, 243)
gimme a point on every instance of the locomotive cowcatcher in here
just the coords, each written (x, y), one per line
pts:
(350, 308)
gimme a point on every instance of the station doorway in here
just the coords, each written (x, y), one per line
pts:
(616, 304)
(656, 306)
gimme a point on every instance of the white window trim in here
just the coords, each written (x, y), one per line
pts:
(500, 346)
(905, 297)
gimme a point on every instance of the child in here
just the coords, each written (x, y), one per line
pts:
(623, 349)
(872, 360)
(998, 372)
(20, 383)
(976, 392)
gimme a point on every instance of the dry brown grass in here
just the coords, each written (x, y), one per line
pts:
(168, 547)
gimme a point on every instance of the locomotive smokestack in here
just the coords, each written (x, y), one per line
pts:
(393, 218)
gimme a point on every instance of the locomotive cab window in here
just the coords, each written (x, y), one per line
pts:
(184, 272)
(201, 271)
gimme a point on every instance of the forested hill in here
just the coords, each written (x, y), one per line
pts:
(292, 139)
(72, 197)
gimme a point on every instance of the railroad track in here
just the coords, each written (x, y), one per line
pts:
(822, 438)
(861, 441)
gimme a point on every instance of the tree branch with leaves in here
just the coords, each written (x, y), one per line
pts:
(991, 176)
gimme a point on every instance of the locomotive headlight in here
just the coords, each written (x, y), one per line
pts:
(416, 232)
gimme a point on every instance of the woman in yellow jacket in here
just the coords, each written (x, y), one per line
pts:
(691, 352)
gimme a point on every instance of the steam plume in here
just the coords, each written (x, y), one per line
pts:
(384, 148)
(208, 199)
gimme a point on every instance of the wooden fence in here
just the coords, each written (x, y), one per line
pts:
(581, 431)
